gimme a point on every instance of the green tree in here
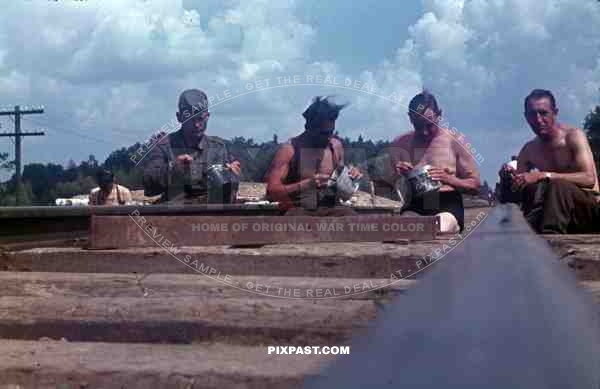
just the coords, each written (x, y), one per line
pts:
(121, 159)
(591, 125)
(4, 163)
(42, 179)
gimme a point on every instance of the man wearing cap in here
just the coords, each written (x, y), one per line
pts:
(300, 170)
(177, 165)
(108, 191)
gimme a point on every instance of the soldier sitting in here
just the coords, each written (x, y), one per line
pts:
(179, 166)
(298, 175)
(555, 179)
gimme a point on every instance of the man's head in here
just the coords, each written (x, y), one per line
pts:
(320, 119)
(424, 114)
(540, 112)
(193, 112)
(105, 179)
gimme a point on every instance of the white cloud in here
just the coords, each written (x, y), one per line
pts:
(113, 69)
(482, 57)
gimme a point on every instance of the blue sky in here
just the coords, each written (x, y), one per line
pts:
(109, 72)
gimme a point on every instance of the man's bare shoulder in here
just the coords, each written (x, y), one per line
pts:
(124, 189)
(285, 150)
(457, 145)
(403, 139)
(287, 146)
(573, 134)
(335, 142)
(531, 145)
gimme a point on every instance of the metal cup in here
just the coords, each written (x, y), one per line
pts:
(346, 186)
(222, 184)
(421, 182)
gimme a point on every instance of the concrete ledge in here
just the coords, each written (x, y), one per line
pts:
(50, 364)
(182, 319)
(56, 285)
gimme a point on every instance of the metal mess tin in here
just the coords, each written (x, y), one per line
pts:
(222, 184)
(341, 184)
(421, 182)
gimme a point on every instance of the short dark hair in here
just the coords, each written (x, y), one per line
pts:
(537, 94)
(422, 101)
(104, 176)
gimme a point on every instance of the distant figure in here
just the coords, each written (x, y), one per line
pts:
(450, 164)
(298, 175)
(178, 166)
(504, 184)
(513, 162)
(490, 196)
(108, 191)
(555, 179)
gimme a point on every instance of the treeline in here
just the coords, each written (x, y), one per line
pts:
(43, 183)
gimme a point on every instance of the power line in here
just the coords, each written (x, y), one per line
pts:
(18, 135)
(66, 124)
(73, 132)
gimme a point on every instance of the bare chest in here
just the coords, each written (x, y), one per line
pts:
(551, 158)
(438, 153)
(311, 161)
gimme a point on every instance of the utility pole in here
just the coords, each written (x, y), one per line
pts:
(17, 112)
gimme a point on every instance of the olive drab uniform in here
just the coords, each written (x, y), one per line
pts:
(161, 175)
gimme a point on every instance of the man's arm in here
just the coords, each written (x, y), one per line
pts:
(467, 175)
(583, 176)
(92, 198)
(338, 148)
(400, 160)
(156, 172)
(583, 163)
(127, 196)
(231, 162)
(278, 171)
(523, 160)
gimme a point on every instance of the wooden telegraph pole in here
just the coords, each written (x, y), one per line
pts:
(18, 135)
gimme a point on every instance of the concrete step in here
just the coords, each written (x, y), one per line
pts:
(50, 285)
(340, 260)
(74, 365)
(247, 321)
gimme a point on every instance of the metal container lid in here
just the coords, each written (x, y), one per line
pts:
(419, 171)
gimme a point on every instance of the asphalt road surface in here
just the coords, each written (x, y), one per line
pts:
(499, 311)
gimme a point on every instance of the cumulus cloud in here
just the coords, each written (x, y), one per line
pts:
(115, 68)
(482, 57)
(112, 70)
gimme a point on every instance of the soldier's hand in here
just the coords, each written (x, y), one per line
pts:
(522, 180)
(235, 167)
(183, 160)
(403, 167)
(321, 180)
(444, 175)
(354, 173)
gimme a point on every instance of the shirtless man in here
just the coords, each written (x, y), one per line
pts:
(301, 168)
(555, 174)
(452, 164)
